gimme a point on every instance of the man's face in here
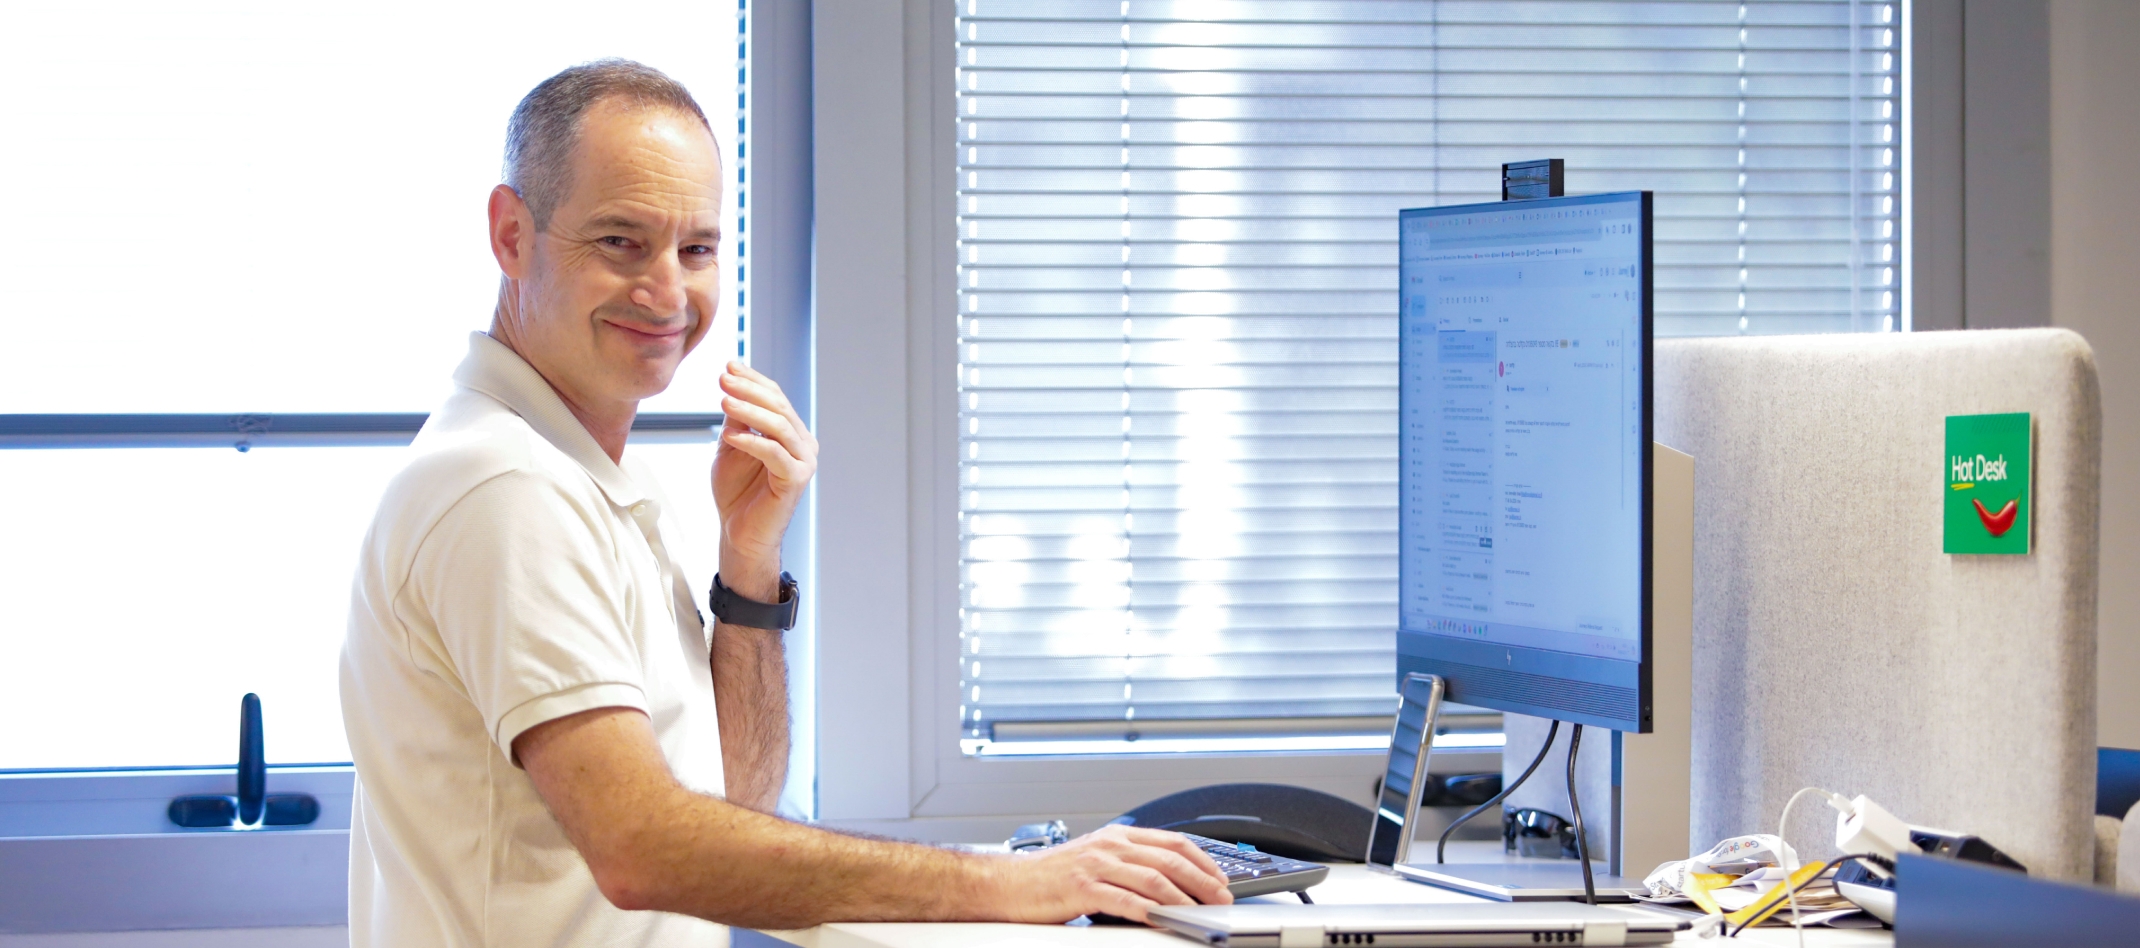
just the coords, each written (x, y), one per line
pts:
(622, 284)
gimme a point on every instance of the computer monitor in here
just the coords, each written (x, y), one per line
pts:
(1525, 478)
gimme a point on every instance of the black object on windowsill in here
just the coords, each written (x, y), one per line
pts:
(252, 805)
(1543, 178)
(1537, 834)
(1285, 821)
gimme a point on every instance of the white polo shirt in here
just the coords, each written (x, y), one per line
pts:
(512, 576)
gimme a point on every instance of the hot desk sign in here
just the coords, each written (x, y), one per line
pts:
(1987, 483)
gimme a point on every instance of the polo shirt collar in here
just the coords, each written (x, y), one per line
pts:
(494, 369)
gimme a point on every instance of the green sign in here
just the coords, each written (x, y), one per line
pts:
(1987, 483)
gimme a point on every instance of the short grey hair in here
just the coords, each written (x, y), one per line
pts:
(546, 125)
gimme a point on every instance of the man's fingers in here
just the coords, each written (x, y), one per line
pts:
(743, 369)
(778, 420)
(1127, 904)
(725, 446)
(1204, 885)
(749, 392)
(1145, 881)
(751, 386)
(1127, 870)
(1178, 844)
(731, 426)
(777, 427)
(778, 462)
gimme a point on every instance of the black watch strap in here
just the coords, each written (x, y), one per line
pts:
(732, 608)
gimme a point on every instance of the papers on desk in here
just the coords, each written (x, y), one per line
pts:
(1755, 898)
(1740, 879)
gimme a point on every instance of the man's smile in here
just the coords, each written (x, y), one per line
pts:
(642, 332)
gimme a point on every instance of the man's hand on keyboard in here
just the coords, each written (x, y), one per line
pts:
(1119, 870)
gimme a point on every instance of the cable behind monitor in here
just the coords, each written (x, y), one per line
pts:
(1441, 846)
(1582, 845)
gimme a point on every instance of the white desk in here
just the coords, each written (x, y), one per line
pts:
(1348, 884)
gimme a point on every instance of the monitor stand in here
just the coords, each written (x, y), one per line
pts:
(1542, 881)
(1651, 773)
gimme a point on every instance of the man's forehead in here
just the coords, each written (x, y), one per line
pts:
(630, 162)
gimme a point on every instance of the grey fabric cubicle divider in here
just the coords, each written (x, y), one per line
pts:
(1835, 644)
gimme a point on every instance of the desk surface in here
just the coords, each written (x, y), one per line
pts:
(1347, 885)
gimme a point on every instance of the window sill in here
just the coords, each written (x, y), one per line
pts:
(93, 852)
(1217, 746)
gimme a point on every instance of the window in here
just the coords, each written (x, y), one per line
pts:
(267, 208)
(1176, 280)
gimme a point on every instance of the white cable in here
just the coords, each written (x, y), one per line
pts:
(1790, 855)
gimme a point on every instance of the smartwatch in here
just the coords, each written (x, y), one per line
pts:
(732, 608)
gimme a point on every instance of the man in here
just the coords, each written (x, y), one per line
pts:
(552, 748)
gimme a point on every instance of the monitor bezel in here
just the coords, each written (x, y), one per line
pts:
(1461, 662)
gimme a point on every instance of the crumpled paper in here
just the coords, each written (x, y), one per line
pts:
(1736, 874)
(1736, 856)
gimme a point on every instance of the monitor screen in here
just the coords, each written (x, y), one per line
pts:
(1525, 449)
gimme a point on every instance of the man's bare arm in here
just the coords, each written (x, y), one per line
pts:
(766, 459)
(750, 694)
(653, 844)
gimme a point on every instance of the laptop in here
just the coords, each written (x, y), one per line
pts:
(1473, 925)
(1523, 881)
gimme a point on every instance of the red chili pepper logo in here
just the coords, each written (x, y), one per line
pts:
(1997, 523)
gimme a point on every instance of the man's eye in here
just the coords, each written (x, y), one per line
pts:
(699, 249)
(615, 241)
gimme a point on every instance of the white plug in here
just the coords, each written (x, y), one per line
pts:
(1864, 828)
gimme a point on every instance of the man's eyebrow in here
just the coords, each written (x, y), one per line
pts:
(615, 222)
(620, 222)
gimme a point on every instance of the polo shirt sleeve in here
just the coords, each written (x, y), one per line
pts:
(530, 605)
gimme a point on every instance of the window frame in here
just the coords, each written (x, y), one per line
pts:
(86, 828)
(889, 759)
(247, 430)
(174, 878)
(80, 831)
(882, 714)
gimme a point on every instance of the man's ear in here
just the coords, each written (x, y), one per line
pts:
(512, 231)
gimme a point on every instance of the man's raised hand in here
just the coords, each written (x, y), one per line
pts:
(766, 458)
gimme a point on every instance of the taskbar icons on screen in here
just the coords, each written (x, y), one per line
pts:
(1615, 646)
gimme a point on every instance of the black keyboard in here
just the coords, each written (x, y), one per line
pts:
(1249, 872)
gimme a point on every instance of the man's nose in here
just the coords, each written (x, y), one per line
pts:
(661, 287)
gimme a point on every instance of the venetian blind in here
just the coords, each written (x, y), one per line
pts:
(1178, 272)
